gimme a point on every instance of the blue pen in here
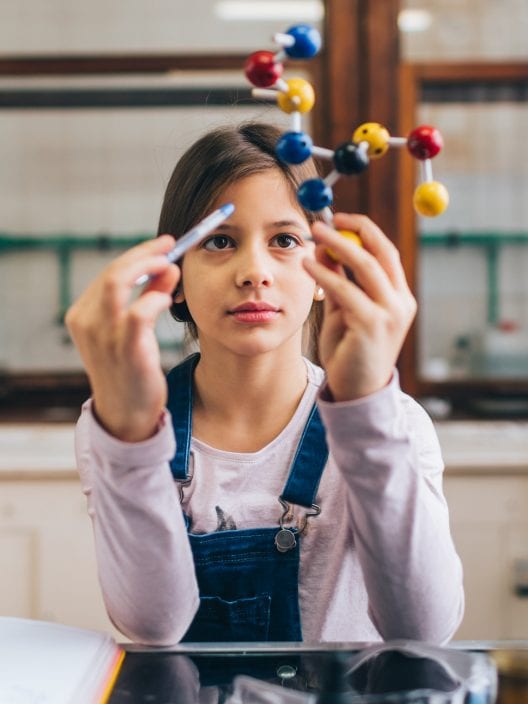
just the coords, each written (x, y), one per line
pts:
(195, 234)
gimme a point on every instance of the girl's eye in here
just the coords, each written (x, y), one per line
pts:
(217, 243)
(286, 241)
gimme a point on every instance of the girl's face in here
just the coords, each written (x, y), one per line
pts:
(244, 284)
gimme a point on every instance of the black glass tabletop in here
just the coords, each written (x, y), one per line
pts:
(298, 677)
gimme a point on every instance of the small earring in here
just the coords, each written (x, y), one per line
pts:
(319, 294)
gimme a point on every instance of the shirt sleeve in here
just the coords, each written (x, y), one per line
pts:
(387, 450)
(143, 554)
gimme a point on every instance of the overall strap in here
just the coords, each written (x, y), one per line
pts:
(308, 463)
(307, 466)
(180, 383)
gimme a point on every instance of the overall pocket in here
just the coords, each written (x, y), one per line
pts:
(219, 620)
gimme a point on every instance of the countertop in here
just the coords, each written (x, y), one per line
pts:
(47, 450)
(37, 450)
(484, 446)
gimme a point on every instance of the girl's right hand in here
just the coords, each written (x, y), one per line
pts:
(115, 336)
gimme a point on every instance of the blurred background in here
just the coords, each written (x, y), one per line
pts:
(97, 102)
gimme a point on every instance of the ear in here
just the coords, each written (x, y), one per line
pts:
(178, 296)
(319, 293)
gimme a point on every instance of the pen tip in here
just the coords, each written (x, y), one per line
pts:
(227, 209)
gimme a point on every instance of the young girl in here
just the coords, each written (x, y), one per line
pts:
(274, 499)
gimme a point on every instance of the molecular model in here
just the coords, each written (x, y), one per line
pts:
(370, 140)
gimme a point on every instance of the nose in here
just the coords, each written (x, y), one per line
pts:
(254, 268)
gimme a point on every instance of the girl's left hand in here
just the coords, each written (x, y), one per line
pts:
(365, 320)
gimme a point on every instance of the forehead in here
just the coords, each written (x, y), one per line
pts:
(268, 190)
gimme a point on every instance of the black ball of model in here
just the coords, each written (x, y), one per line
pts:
(350, 158)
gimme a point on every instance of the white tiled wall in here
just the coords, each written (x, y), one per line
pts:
(124, 26)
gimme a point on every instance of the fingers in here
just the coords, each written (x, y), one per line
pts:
(368, 273)
(157, 245)
(166, 281)
(340, 290)
(117, 282)
(146, 258)
(376, 268)
(144, 313)
(375, 242)
(106, 300)
(157, 297)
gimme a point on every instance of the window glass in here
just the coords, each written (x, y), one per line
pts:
(473, 292)
(463, 30)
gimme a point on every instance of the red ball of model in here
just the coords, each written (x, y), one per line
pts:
(262, 69)
(424, 142)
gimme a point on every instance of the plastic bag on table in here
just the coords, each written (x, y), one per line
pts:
(411, 672)
(396, 672)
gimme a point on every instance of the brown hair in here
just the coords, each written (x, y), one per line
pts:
(213, 162)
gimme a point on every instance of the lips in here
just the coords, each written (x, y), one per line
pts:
(254, 312)
(253, 306)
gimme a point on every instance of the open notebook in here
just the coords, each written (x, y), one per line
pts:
(48, 663)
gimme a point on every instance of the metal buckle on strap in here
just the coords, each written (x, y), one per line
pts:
(183, 483)
(285, 537)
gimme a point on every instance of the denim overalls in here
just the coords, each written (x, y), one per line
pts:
(247, 579)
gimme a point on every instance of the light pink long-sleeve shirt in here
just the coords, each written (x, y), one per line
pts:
(378, 562)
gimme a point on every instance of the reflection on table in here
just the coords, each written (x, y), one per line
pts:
(294, 674)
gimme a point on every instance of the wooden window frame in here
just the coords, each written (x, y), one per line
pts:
(413, 79)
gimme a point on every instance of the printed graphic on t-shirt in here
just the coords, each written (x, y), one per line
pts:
(224, 522)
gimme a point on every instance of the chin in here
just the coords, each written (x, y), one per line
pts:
(254, 350)
(261, 342)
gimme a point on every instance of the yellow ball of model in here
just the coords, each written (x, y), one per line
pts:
(300, 96)
(375, 135)
(349, 235)
(430, 199)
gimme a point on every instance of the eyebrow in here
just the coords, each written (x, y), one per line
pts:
(278, 223)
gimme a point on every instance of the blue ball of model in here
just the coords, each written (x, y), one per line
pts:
(307, 42)
(294, 147)
(314, 194)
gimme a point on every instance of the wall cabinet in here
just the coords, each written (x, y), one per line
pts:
(47, 558)
(490, 528)
(486, 486)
